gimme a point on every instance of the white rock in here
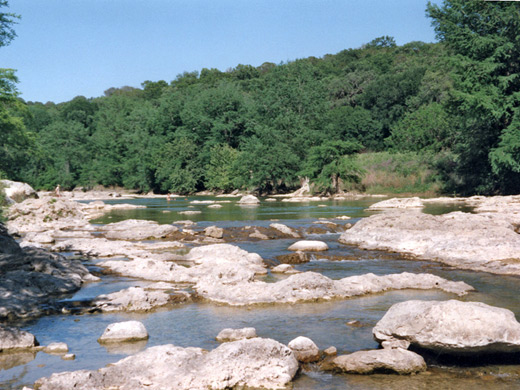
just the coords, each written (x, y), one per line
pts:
(56, 348)
(135, 229)
(284, 269)
(451, 327)
(229, 334)
(285, 229)
(309, 245)
(214, 232)
(249, 199)
(17, 191)
(12, 338)
(253, 363)
(304, 349)
(397, 360)
(123, 332)
(485, 242)
(398, 203)
(132, 299)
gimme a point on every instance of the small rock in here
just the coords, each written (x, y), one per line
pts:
(293, 258)
(308, 245)
(257, 234)
(249, 199)
(331, 351)
(284, 269)
(56, 348)
(229, 334)
(12, 338)
(214, 232)
(123, 332)
(398, 360)
(68, 356)
(304, 349)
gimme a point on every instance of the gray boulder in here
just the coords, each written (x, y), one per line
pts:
(12, 338)
(451, 327)
(398, 361)
(304, 349)
(249, 200)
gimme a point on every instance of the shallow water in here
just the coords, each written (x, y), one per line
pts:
(197, 324)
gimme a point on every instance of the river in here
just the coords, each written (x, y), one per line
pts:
(197, 324)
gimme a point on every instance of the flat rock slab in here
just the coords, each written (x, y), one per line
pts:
(132, 299)
(451, 327)
(398, 361)
(134, 229)
(309, 245)
(256, 363)
(398, 203)
(124, 332)
(481, 242)
(311, 286)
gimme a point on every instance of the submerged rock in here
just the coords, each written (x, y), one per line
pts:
(124, 332)
(56, 348)
(229, 334)
(484, 242)
(398, 361)
(294, 258)
(451, 327)
(257, 362)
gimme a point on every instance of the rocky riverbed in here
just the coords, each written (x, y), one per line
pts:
(187, 262)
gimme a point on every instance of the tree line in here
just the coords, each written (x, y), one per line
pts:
(266, 128)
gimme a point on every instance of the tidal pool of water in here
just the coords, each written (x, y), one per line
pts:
(197, 324)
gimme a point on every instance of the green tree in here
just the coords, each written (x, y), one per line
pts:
(220, 171)
(331, 162)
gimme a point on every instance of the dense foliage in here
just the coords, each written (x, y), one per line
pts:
(454, 105)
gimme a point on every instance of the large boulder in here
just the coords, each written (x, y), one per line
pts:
(397, 360)
(257, 363)
(16, 191)
(124, 332)
(451, 327)
(483, 242)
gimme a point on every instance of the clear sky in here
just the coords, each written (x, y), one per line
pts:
(67, 48)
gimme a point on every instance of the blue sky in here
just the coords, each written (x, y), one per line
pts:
(67, 48)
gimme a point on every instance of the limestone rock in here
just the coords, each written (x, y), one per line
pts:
(16, 191)
(134, 229)
(304, 349)
(311, 286)
(309, 245)
(12, 338)
(57, 348)
(124, 332)
(398, 203)
(331, 351)
(229, 334)
(214, 232)
(132, 299)
(482, 242)
(284, 269)
(256, 363)
(294, 258)
(451, 327)
(249, 199)
(398, 361)
(285, 229)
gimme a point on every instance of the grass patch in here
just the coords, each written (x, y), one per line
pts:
(399, 173)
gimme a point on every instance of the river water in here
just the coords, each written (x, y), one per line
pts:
(197, 324)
